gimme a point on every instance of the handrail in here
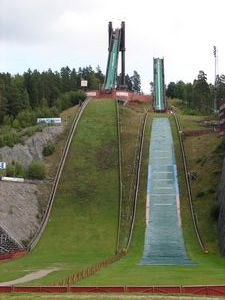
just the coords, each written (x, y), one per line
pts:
(45, 218)
(139, 161)
(120, 176)
(187, 179)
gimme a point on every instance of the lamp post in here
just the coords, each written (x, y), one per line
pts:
(215, 56)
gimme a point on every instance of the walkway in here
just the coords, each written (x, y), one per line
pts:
(32, 276)
(164, 243)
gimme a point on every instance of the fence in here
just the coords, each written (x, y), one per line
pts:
(90, 270)
(212, 290)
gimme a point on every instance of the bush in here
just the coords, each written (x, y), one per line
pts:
(15, 170)
(36, 170)
(215, 211)
(211, 190)
(200, 194)
(48, 149)
(69, 99)
(7, 120)
(202, 160)
(19, 170)
(26, 118)
(16, 124)
(9, 137)
(220, 149)
(10, 170)
(29, 131)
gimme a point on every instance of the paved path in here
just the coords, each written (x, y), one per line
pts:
(164, 243)
(30, 277)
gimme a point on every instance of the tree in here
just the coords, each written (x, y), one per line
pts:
(128, 82)
(65, 79)
(3, 106)
(188, 95)
(201, 93)
(171, 90)
(179, 89)
(220, 87)
(136, 82)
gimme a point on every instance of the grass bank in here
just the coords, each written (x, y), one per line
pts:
(210, 267)
(83, 223)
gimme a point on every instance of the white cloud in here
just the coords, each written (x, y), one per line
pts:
(52, 33)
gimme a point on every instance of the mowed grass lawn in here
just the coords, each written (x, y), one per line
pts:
(83, 223)
(210, 267)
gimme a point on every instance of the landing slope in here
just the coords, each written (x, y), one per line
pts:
(164, 244)
(83, 223)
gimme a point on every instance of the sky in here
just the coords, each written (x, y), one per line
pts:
(43, 34)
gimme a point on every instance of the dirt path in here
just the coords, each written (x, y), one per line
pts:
(29, 277)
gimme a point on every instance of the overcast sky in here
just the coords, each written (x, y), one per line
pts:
(42, 34)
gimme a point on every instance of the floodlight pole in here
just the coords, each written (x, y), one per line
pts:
(215, 82)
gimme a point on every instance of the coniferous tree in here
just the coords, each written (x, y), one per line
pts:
(136, 82)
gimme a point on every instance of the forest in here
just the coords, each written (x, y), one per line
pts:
(198, 96)
(34, 94)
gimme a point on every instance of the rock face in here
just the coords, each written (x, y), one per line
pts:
(221, 219)
(32, 148)
(22, 204)
(19, 209)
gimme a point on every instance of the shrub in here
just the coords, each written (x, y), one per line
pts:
(19, 170)
(10, 170)
(1, 141)
(16, 124)
(36, 169)
(15, 170)
(27, 118)
(220, 148)
(69, 99)
(29, 131)
(215, 211)
(198, 160)
(7, 120)
(211, 190)
(9, 137)
(200, 194)
(48, 149)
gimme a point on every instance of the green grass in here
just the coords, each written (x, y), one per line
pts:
(90, 221)
(210, 268)
(83, 223)
(130, 122)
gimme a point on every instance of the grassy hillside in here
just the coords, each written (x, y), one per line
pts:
(130, 122)
(82, 228)
(210, 268)
(83, 224)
